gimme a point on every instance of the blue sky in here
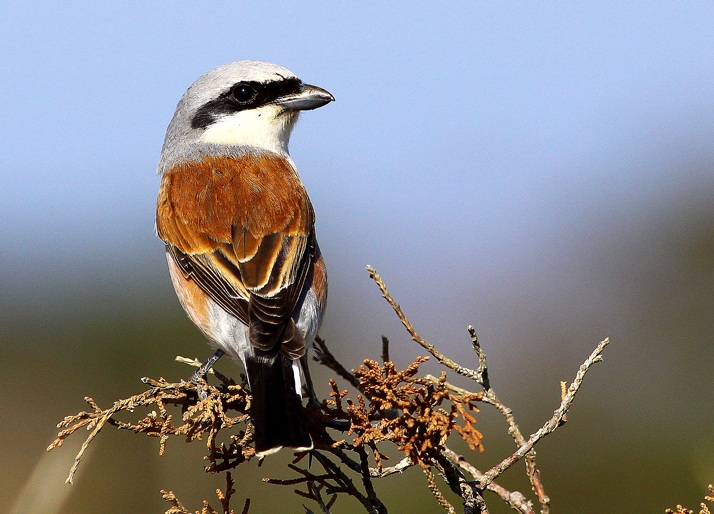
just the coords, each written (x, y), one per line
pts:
(478, 145)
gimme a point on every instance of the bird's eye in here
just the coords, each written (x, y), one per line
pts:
(243, 93)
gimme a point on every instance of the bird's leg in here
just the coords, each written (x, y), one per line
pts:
(202, 370)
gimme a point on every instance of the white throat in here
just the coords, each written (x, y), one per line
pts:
(266, 127)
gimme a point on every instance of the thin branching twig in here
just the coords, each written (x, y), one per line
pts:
(415, 414)
(458, 368)
(553, 423)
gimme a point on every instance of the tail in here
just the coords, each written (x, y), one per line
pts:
(276, 408)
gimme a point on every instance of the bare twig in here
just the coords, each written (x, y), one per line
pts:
(400, 467)
(385, 349)
(367, 480)
(514, 499)
(480, 376)
(372, 505)
(195, 363)
(315, 491)
(473, 500)
(490, 397)
(552, 424)
(416, 413)
(482, 370)
(458, 368)
(328, 360)
(525, 448)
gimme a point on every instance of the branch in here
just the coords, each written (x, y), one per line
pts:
(328, 360)
(515, 499)
(385, 350)
(416, 414)
(552, 424)
(525, 448)
(400, 467)
(458, 368)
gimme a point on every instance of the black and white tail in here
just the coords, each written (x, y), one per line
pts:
(276, 408)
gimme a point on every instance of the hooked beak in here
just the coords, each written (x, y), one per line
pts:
(308, 98)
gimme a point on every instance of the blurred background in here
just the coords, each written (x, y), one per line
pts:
(544, 173)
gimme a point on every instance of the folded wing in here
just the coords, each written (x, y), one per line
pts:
(243, 229)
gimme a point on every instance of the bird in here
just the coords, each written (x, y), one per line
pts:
(239, 231)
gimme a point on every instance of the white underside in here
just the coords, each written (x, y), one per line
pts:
(226, 332)
(230, 335)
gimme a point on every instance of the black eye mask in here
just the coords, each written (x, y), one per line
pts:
(243, 96)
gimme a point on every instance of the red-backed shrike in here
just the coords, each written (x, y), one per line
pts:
(240, 238)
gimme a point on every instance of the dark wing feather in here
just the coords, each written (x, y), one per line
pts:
(221, 291)
(270, 316)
